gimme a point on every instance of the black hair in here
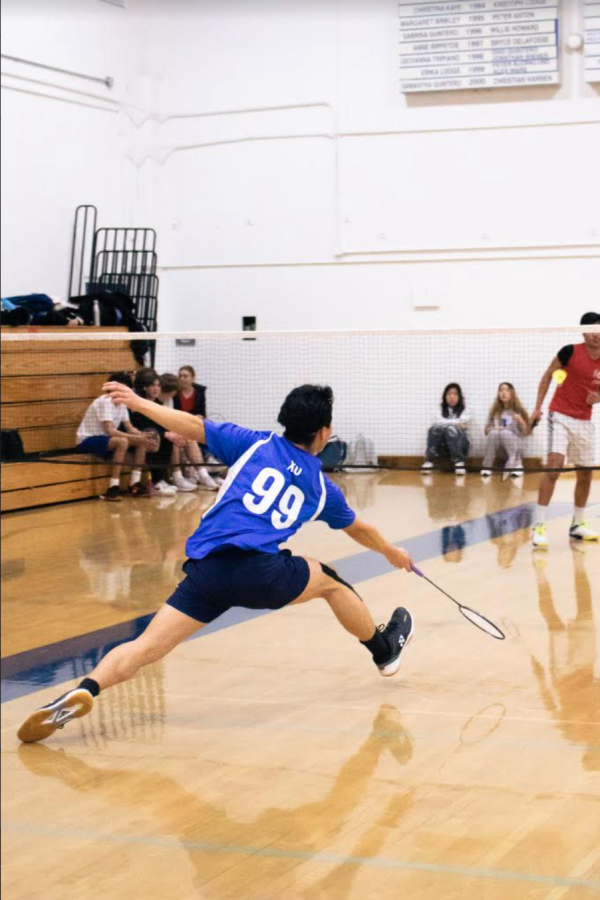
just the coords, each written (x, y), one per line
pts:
(122, 378)
(590, 318)
(145, 378)
(460, 406)
(305, 411)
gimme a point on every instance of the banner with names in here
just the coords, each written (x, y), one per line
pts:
(592, 39)
(451, 45)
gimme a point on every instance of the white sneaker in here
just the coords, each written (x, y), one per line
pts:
(183, 485)
(206, 482)
(459, 469)
(579, 531)
(486, 473)
(164, 489)
(539, 538)
(427, 466)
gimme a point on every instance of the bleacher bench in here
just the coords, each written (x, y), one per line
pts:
(46, 388)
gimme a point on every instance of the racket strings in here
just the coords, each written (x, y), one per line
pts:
(481, 622)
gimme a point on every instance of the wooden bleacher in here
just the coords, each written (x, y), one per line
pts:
(46, 388)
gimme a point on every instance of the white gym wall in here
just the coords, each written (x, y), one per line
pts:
(287, 176)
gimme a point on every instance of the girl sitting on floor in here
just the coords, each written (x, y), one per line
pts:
(508, 423)
(448, 434)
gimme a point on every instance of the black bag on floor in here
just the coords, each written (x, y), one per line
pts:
(333, 454)
(11, 447)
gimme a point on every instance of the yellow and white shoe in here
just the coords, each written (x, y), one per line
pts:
(579, 531)
(539, 537)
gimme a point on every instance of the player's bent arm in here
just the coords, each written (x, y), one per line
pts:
(368, 536)
(129, 428)
(543, 387)
(183, 423)
(111, 430)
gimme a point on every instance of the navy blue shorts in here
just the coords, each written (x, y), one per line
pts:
(235, 577)
(98, 445)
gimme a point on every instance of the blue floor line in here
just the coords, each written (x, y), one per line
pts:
(53, 664)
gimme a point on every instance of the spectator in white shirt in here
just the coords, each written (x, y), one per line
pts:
(99, 434)
(448, 434)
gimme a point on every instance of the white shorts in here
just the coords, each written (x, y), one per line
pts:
(572, 438)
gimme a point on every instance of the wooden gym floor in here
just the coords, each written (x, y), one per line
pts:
(269, 759)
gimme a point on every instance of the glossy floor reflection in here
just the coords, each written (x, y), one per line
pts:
(268, 759)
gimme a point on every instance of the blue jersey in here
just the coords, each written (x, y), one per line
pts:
(271, 490)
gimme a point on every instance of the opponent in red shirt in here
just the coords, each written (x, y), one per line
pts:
(570, 428)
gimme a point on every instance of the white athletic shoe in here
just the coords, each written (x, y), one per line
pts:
(459, 469)
(183, 485)
(163, 489)
(206, 482)
(427, 466)
(539, 538)
(486, 473)
(579, 531)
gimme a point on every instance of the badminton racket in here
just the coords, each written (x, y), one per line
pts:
(471, 615)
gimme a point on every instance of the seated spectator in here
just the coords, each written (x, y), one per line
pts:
(191, 453)
(168, 455)
(99, 434)
(190, 397)
(448, 434)
(508, 423)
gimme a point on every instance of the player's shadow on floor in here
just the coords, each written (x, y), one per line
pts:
(199, 824)
(569, 687)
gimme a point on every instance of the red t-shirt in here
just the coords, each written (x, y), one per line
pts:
(583, 376)
(187, 403)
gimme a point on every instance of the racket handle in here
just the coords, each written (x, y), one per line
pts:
(416, 570)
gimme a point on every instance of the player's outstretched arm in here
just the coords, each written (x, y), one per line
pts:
(545, 382)
(368, 536)
(182, 423)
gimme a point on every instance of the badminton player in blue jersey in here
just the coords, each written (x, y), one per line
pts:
(274, 485)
